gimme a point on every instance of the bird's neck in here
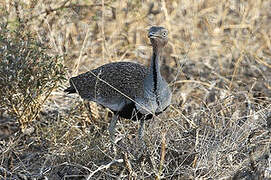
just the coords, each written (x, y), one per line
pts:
(152, 82)
(155, 74)
(155, 65)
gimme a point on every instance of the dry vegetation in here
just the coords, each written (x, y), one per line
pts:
(218, 62)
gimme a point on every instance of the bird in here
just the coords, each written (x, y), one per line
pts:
(130, 90)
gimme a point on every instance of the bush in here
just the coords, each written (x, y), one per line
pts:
(27, 74)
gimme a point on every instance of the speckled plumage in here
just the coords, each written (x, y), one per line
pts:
(127, 77)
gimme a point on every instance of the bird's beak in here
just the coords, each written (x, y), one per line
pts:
(152, 35)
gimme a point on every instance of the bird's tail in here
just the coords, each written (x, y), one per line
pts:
(70, 90)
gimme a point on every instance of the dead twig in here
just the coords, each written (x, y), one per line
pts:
(104, 167)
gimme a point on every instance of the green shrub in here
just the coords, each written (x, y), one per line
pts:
(27, 74)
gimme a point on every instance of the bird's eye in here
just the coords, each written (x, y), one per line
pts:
(164, 34)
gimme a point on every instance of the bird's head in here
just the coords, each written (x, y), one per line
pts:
(158, 36)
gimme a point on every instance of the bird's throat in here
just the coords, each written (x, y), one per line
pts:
(155, 72)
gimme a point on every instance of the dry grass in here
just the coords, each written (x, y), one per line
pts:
(218, 62)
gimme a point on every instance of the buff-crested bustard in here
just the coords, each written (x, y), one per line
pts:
(130, 90)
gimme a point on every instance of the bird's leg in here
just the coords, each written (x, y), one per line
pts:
(141, 129)
(142, 145)
(112, 126)
(87, 106)
(111, 130)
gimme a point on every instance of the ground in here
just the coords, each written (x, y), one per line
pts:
(217, 62)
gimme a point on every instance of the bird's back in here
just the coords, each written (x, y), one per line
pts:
(127, 77)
